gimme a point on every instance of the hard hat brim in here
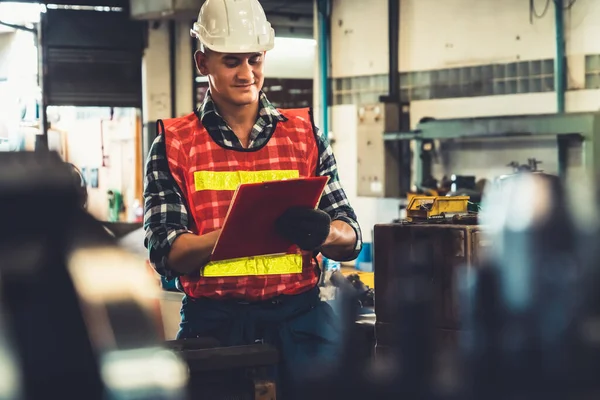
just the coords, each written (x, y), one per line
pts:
(238, 50)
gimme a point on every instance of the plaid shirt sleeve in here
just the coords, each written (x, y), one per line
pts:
(334, 201)
(165, 214)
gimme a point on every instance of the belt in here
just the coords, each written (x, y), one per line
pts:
(274, 302)
(277, 301)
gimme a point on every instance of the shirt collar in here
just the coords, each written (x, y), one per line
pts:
(266, 109)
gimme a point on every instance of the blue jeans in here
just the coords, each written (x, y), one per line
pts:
(304, 329)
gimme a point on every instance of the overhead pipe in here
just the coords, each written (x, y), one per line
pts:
(41, 140)
(324, 12)
(19, 27)
(559, 60)
(172, 66)
(393, 95)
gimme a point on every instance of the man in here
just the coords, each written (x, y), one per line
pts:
(192, 174)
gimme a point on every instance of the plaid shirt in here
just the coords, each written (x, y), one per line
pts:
(165, 213)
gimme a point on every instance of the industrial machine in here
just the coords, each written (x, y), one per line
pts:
(495, 312)
(436, 208)
(576, 136)
(433, 252)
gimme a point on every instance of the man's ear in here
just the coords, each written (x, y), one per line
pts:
(201, 60)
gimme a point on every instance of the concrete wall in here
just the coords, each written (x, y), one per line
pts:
(472, 32)
(292, 58)
(448, 34)
(156, 74)
(439, 34)
(184, 67)
(6, 41)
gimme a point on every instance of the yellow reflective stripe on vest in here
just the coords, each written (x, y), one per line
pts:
(213, 180)
(263, 265)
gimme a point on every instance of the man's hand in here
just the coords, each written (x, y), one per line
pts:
(340, 243)
(306, 227)
(189, 252)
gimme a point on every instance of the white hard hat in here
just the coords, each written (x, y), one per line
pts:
(234, 26)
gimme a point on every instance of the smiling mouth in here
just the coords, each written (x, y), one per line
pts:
(244, 86)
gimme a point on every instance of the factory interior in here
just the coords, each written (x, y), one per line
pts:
(411, 209)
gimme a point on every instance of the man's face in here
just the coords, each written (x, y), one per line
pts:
(234, 78)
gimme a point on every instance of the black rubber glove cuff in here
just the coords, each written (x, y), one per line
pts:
(306, 227)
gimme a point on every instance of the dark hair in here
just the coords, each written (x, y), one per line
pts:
(205, 50)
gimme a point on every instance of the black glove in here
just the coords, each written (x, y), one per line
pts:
(306, 227)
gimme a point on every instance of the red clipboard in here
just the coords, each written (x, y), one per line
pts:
(249, 226)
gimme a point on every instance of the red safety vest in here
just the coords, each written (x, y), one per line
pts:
(208, 174)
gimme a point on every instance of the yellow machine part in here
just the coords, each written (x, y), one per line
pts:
(368, 278)
(435, 207)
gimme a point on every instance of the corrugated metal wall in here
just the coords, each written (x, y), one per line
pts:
(93, 58)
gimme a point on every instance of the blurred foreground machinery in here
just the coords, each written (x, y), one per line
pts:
(78, 321)
(503, 310)
(530, 313)
(507, 309)
(80, 318)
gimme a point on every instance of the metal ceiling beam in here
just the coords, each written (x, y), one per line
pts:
(521, 125)
(109, 3)
(287, 21)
